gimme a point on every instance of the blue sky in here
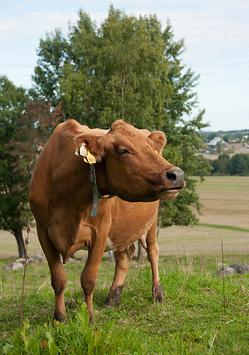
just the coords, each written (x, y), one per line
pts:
(216, 34)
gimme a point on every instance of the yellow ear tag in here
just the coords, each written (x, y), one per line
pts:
(85, 154)
(90, 159)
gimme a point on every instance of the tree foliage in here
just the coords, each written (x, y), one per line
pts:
(238, 164)
(221, 166)
(25, 127)
(128, 68)
(14, 212)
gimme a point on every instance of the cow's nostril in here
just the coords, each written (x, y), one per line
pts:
(171, 176)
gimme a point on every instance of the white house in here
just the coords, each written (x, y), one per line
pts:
(215, 142)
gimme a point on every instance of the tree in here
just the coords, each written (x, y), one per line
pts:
(14, 213)
(52, 53)
(239, 164)
(24, 129)
(129, 68)
(222, 165)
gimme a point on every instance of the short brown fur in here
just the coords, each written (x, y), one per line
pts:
(60, 193)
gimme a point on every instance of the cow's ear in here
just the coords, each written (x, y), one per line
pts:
(145, 132)
(159, 140)
(89, 147)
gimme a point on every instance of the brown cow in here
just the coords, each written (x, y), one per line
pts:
(127, 166)
(130, 221)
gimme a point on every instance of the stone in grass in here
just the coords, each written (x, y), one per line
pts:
(225, 271)
(23, 260)
(233, 269)
(14, 266)
(240, 268)
(40, 257)
(20, 260)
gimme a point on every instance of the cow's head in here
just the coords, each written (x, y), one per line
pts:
(130, 163)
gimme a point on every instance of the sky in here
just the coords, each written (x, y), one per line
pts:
(216, 35)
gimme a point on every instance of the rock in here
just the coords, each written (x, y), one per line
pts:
(240, 268)
(73, 261)
(23, 260)
(40, 257)
(14, 266)
(226, 271)
(20, 260)
(31, 260)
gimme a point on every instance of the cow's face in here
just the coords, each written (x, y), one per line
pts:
(132, 164)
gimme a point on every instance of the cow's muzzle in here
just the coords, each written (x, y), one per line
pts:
(175, 177)
(173, 181)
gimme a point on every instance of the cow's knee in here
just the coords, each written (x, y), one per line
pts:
(88, 284)
(58, 284)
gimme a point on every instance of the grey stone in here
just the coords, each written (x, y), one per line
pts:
(73, 261)
(20, 260)
(40, 257)
(240, 268)
(226, 271)
(14, 266)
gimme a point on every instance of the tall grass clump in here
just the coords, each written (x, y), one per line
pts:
(76, 336)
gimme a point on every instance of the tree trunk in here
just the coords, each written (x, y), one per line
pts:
(20, 243)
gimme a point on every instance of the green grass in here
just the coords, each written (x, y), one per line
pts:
(226, 227)
(225, 184)
(192, 320)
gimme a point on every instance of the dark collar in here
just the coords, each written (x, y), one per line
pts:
(96, 194)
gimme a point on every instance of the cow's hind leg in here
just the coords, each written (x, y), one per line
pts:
(89, 274)
(122, 259)
(153, 256)
(58, 274)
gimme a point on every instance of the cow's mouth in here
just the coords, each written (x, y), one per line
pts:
(169, 193)
(172, 189)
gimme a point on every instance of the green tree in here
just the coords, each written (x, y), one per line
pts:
(52, 54)
(14, 212)
(239, 164)
(222, 165)
(25, 127)
(129, 68)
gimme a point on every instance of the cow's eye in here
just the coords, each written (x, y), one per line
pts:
(122, 150)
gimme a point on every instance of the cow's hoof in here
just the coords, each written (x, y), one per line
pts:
(158, 294)
(59, 317)
(114, 296)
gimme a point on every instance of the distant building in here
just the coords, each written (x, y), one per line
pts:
(216, 143)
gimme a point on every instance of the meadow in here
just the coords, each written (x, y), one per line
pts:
(201, 314)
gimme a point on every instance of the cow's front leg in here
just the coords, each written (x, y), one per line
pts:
(89, 274)
(153, 256)
(122, 259)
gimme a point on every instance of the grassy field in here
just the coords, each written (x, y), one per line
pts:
(193, 319)
(225, 201)
(200, 315)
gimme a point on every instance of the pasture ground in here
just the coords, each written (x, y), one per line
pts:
(194, 318)
(197, 317)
